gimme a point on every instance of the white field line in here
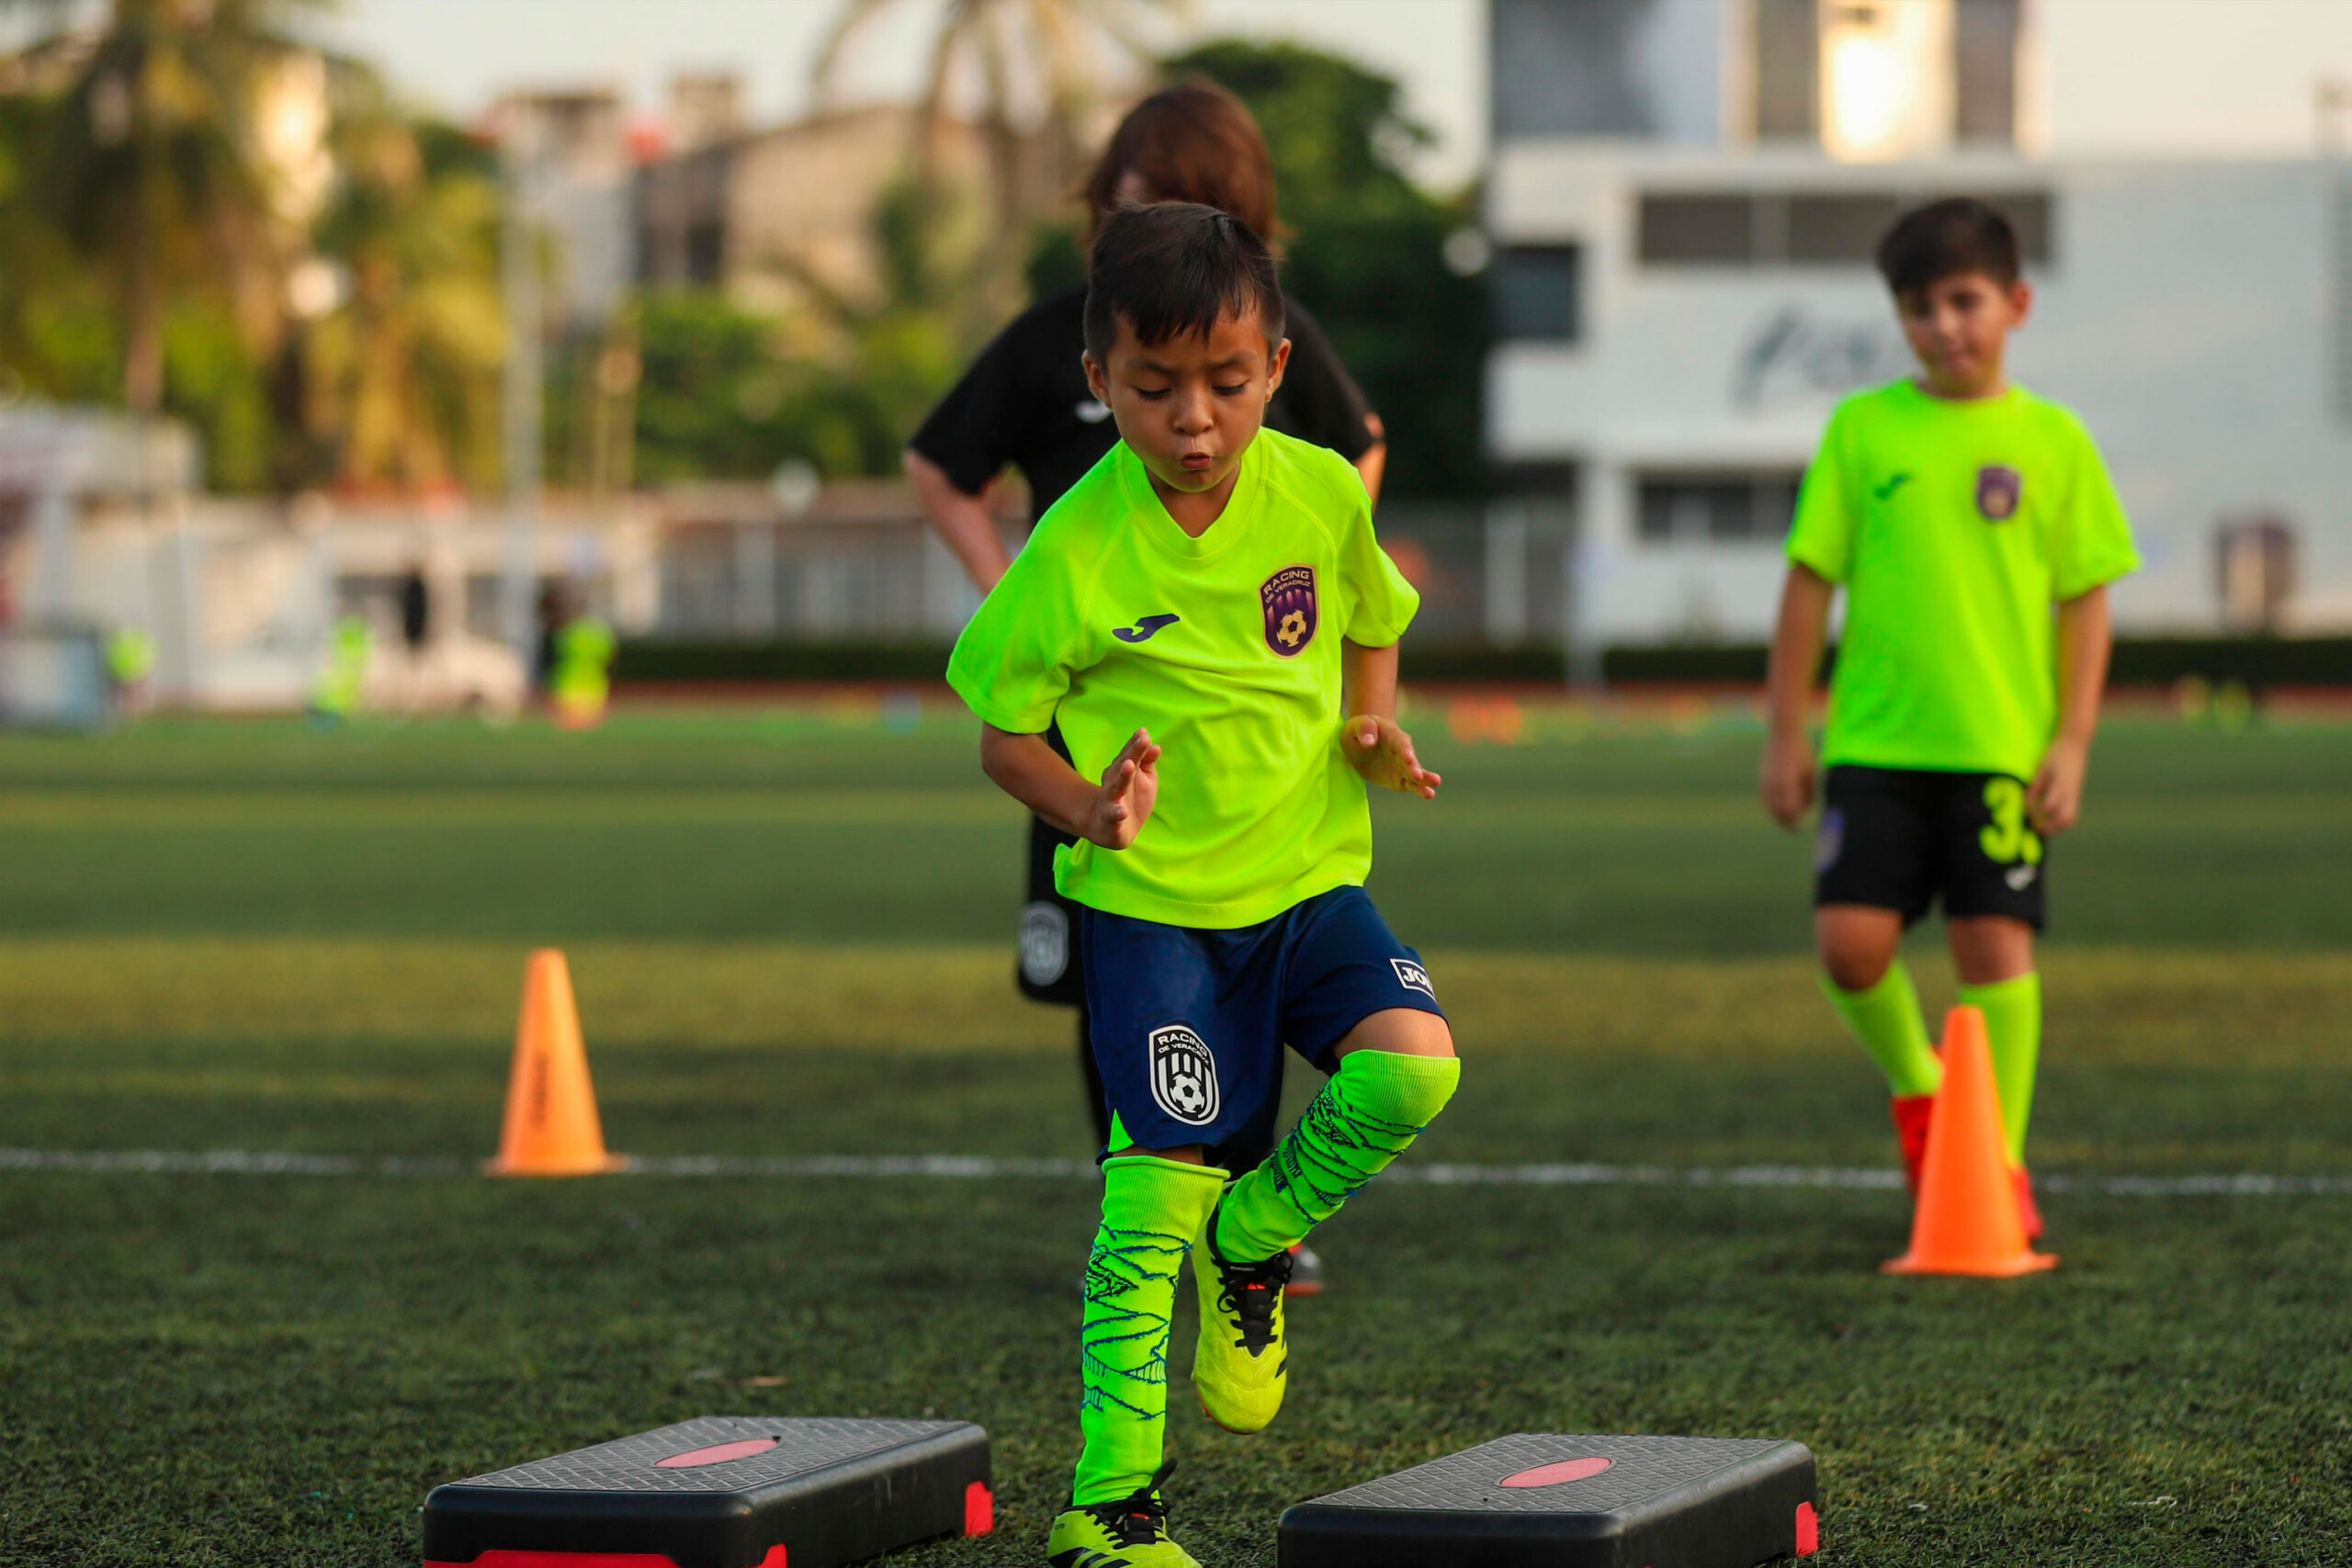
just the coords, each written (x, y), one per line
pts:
(976, 1167)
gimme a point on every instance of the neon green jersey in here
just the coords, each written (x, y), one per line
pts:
(1227, 647)
(1955, 527)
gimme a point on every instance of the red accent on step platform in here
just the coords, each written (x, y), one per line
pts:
(512, 1557)
(1558, 1474)
(979, 1508)
(718, 1453)
(1808, 1531)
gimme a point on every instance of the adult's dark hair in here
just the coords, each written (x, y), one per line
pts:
(1175, 269)
(1194, 141)
(1944, 239)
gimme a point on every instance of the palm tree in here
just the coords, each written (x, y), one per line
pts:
(155, 168)
(402, 371)
(1050, 65)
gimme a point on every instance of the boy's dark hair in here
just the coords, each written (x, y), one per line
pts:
(1192, 142)
(1174, 269)
(1944, 239)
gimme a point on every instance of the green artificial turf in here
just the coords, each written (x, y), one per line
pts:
(787, 939)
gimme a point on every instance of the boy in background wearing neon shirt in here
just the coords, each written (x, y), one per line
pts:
(1955, 510)
(1208, 618)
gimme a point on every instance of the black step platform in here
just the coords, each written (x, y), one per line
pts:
(721, 1492)
(1536, 1501)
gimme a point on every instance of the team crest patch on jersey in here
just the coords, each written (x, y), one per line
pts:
(1183, 1075)
(1998, 491)
(1413, 977)
(1045, 941)
(1289, 599)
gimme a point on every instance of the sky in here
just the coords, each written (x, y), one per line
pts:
(2131, 77)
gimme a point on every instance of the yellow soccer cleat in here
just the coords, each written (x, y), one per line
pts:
(1129, 1533)
(1238, 1365)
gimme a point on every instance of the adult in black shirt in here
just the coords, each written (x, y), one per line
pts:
(1026, 402)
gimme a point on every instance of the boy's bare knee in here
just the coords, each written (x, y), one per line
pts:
(1403, 1032)
(1989, 949)
(1857, 944)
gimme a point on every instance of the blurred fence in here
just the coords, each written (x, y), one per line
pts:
(863, 568)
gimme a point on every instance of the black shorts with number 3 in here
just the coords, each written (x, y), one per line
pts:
(1901, 837)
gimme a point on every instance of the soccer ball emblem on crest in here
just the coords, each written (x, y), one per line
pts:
(1183, 1075)
(1289, 599)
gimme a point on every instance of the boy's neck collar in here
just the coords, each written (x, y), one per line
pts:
(2002, 387)
(1158, 523)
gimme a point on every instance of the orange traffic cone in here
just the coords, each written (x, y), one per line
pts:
(551, 1124)
(1967, 1219)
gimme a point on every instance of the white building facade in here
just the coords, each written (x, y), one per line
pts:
(1684, 290)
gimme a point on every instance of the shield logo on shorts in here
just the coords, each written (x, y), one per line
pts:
(1044, 943)
(1289, 599)
(1998, 491)
(1828, 840)
(1183, 1075)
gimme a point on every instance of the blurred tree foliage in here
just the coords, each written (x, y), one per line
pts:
(400, 373)
(723, 397)
(1366, 252)
(150, 242)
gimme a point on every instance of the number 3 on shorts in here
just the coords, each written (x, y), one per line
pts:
(2009, 840)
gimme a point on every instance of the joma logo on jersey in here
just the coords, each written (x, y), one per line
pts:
(1141, 631)
(1183, 1075)
(1289, 599)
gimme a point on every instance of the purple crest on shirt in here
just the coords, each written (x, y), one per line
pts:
(1289, 599)
(1999, 491)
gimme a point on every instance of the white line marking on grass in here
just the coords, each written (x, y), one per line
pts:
(981, 1168)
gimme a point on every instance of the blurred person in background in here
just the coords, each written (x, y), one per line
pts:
(416, 610)
(1026, 402)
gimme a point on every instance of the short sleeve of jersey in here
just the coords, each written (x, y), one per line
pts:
(1382, 603)
(977, 428)
(1319, 402)
(1014, 661)
(1822, 537)
(2093, 546)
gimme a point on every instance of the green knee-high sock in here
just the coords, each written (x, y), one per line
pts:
(1369, 1112)
(1886, 1018)
(2013, 1028)
(1152, 1208)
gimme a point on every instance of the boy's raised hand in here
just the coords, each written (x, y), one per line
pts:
(1130, 789)
(1382, 754)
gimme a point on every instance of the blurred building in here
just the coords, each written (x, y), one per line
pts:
(774, 214)
(572, 151)
(1683, 203)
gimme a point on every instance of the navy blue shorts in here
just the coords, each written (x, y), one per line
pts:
(1189, 1025)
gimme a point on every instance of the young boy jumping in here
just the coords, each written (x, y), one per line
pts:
(1209, 620)
(1955, 509)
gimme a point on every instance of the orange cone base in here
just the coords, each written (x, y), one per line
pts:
(608, 1166)
(2003, 1269)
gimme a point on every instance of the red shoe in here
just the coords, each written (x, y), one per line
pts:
(1911, 1113)
(2029, 1213)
